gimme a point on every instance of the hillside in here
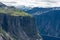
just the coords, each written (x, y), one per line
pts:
(14, 12)
(17, 25)
(49, 23)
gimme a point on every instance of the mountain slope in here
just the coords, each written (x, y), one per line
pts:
(37, 9)
(13, 12)
(23, 8)
(20, 28)
(17, 25)
(49, 23)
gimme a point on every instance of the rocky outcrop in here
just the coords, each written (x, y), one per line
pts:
(19, 27)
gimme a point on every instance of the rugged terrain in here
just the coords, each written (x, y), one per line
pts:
(17, 25)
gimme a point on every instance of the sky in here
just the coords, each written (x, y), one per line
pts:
(32, 3)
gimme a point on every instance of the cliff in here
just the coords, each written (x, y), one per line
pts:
(18, 27)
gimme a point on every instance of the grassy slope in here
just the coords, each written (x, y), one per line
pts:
(14, 12)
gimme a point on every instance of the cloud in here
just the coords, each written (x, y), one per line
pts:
(48, 0)
(33, 3)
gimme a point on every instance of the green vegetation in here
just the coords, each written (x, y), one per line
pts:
(14, 12)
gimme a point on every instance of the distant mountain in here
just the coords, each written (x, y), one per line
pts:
(49, 23)
(38, 10)
(23, 8)
(2, 5)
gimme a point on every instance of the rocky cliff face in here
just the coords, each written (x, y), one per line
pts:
(18, 28)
